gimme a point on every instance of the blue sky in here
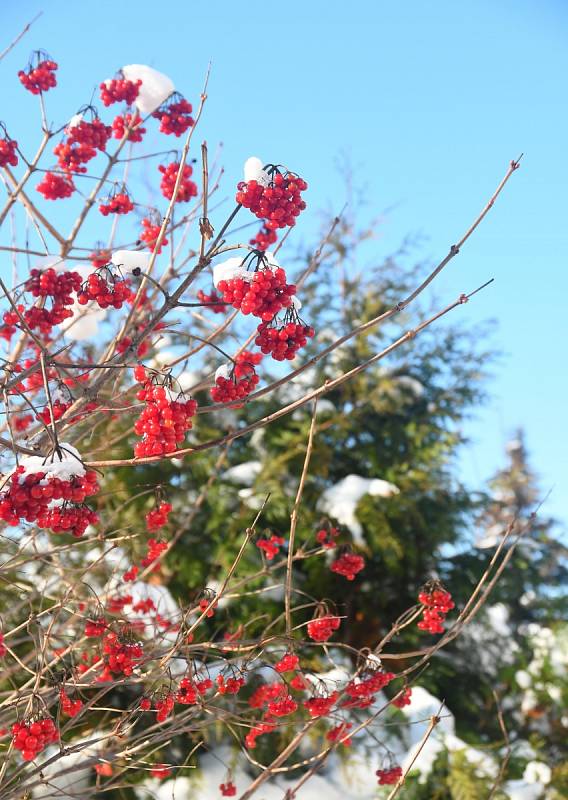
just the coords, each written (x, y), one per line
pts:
(427, 101)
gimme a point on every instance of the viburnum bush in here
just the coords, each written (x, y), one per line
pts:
(138, 345)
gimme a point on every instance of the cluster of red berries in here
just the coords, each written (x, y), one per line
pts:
(49, 283)
(187, 692)
(164, 422)
(8, 157)
(118, 90)
(121, 657)
(321, 706)
(436, 603)
(67, 518)
(403, 699)
(58, 408)
(104, 288)
(258, 730)
(279, 203)
(94, 133)
(264, 294)
(131, 574)
(158, 517)
(164, 706)
(10, 320)
(95, 628)
(57, 285)
(283, 342)
(288, 663)
(174, 115)
(40, 78)
(212, 300)
(205, 602)
(389, 776)
(270, 547)
(68, 706)
(160, 771)
(155, 550)
(122, 122)
(150, 235)
(100, 257)
(44, 319)
(231, 685)
(240, 381)
(321, 628)
(361, 692)
(228, 789)
(117, 204)
(28, 496)
(339, 732)
(187, 188)
(70, 158)
(56, 187)
(3, 650)
(30, 738)
(348, 565)
(282, 708)
(327, 537)
(264, 238)
(267, 693)
(23, 423)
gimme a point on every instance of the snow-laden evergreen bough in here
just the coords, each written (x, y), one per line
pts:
(115, 333)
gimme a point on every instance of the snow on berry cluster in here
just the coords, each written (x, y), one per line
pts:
(237, 381)
(187, 188)
(41, 77)
(436, 602)
(164, 421)
(51, 492)
(255, 284)
(33, 736)
(105, 288)
(272, 195)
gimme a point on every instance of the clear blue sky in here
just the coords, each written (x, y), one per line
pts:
(429, 100)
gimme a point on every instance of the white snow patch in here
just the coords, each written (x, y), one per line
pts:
(65, 467)
(246, 473)
(537, 772)
(131, 259)
(74, 121)
(231, 268)
(156, 87)
(340, 501)
(250, 499)
(254, 171)
(224, 371)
